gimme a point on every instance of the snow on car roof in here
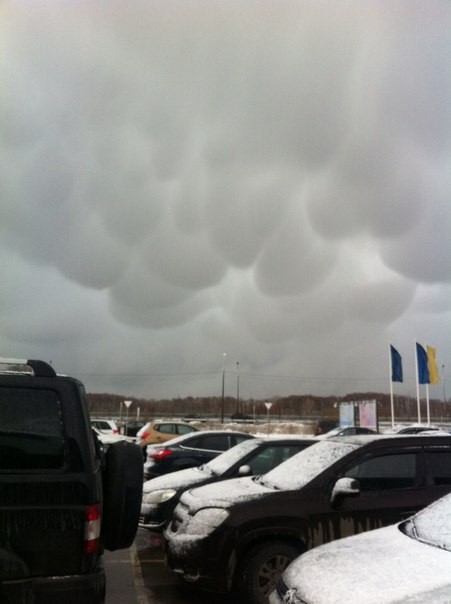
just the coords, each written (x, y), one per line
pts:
(298, 470)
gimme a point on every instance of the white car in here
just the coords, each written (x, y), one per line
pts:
(105, 426)
(409, 562)
(110, 439)
(345, 431)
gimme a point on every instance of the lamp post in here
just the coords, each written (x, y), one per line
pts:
(237, 387)
(224, 354)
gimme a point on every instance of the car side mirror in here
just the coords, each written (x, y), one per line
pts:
(344, 487)
(244, 470)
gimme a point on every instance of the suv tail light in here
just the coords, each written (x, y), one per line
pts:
(93, 519)
(160, 454)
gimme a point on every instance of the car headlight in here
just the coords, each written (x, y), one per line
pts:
(159, 496)
(205, 521)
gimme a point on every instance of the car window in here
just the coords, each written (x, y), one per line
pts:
(386, 472)
(191, 442)
(439, 466)
(165, 428)
(237, 438)
(214, 442)
(284, 453)
(181, 429)
(31, 430)
(270, 457)
(262, 462)
(223, 462)
(101, 425)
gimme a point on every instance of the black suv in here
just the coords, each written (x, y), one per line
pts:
(62, 499)
(242, 533)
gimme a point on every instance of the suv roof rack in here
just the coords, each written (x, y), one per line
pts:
(39, 368)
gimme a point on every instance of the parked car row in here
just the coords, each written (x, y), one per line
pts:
(241, 534)
(277, 520)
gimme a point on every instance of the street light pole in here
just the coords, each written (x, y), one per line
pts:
(223, 384)
(237, 387)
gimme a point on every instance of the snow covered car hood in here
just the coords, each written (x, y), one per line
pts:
(225, 493)
(175, 480)
(379, 567)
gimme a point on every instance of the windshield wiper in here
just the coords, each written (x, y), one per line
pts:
(259, 478)
(204, 468)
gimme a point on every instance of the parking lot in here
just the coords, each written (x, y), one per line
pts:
(157, 585)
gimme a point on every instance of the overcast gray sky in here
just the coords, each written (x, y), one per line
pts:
(266, 179)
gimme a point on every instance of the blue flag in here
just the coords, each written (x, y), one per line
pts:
(396, 365)
(422, 363)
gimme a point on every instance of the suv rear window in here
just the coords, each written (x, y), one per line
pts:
(31, 430)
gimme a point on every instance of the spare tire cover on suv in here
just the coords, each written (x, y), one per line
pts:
(123, 483)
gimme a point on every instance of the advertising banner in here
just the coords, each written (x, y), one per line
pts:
(347, 415)
(368, 414)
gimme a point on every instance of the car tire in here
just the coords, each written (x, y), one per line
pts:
(262, 568)
(122, 484)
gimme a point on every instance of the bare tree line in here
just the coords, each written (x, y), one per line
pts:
(293, 406)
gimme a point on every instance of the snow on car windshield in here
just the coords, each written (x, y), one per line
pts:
(304, 466)
(432, 525)
(223, 462)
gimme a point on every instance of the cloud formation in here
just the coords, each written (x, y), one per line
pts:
(268, 179)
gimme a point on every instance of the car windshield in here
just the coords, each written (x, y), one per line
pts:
(432, 525)
(304, 466)
(223, 462)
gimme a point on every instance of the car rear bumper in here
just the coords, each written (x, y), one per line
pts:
(71, 589)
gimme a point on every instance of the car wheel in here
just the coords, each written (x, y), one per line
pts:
(122, 485)
(263, 567)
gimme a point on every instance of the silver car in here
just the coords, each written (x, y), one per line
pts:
(409, 562)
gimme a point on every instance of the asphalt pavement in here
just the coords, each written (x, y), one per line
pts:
(139, 576)
(155, 584)
(121, 585)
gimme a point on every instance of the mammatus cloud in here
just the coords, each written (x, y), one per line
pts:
(182, 179)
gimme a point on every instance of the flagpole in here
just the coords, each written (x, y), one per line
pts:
(391, 387)
(418, 385)
(427, 405)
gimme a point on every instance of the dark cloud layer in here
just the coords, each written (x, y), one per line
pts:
(268, 179)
